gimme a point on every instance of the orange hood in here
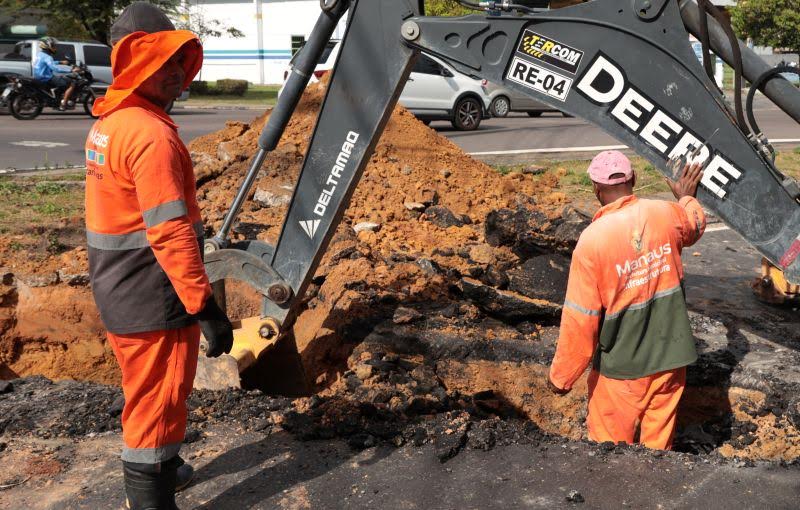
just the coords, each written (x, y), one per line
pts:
(139, 55)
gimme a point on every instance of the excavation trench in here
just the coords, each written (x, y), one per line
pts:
(439, 296)
(405, 363)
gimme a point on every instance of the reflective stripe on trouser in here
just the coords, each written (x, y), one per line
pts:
(616, 405)
(158, 369)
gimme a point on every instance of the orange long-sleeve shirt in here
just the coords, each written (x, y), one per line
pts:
(625, 306)
(143, 223)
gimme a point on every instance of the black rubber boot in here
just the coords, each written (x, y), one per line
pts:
(184, 475)
(151, 486)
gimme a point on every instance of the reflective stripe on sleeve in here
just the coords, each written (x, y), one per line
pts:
(164, 212)
(644, 304)
(579, 308)
(117, 242)
(130, 241)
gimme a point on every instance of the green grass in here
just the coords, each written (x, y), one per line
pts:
(256, 95)
(575, 183)
(575, 180)
(38, 201)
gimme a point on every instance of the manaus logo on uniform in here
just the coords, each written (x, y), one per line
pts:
(551, 51)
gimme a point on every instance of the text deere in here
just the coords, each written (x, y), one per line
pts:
(604, 83)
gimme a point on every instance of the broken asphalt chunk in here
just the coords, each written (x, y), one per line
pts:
(507, 305)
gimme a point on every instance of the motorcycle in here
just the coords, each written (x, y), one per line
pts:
(5, 81)
(26, 97)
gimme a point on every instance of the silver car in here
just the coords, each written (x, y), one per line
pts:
(505, 101)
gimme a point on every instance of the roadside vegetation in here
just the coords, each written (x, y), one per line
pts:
(29, 203)
(574, 181)
(255, 95)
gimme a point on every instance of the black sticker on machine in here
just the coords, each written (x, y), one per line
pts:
(551, 51)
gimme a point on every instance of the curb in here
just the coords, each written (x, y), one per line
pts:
(42, 171)
(219, 107)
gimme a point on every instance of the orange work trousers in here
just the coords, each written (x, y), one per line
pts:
(158, 369)
(617, 405)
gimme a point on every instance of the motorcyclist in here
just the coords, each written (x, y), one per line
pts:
(45, 69)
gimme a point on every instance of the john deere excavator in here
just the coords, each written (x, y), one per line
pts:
(625, 65)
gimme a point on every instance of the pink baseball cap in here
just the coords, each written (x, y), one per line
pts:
(608, 163)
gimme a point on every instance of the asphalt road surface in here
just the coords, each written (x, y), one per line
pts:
(56, 139)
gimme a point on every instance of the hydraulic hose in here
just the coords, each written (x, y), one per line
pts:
(757, 84)
(328, 5)
(706, 6)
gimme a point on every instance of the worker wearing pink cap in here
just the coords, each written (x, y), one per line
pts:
(625, 311)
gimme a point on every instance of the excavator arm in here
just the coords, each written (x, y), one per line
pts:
(625, 66)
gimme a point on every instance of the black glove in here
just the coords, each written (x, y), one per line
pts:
(216, 328)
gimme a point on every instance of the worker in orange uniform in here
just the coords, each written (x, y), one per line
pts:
(625, 309)
(145, 235)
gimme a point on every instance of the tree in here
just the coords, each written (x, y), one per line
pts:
(446, 8)
(93, 18)
(773, 23)
(195, 19)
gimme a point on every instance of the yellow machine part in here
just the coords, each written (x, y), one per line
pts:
(249, 341)
(772, 286)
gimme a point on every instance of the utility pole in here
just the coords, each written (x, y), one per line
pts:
(260, 38)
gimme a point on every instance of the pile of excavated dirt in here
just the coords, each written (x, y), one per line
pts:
(436, 323)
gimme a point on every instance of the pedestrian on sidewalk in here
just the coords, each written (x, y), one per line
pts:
(145, 237)
(625, 310)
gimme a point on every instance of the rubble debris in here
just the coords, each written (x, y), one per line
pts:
(366, 226)
(277, 196)
(575, 497)
(404, 315)
(507, 305)
(443, 217)
(534, 169)
(541, 277)
(414, 206)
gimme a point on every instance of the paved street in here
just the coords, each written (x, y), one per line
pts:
(57, 139)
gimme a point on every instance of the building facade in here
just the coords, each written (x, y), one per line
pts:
(273, 30)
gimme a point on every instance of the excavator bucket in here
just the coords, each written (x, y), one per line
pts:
(773, 287)
(248, 345)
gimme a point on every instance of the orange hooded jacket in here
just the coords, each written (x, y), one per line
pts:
(625, 305)
(144, 229)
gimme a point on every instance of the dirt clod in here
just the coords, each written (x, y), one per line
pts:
(575, 497)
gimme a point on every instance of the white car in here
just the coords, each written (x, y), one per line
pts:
(325, 63)
(434, 90)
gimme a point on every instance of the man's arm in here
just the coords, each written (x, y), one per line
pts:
(580, 323)
(157, 174)
(690, 213)
(50, 63)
